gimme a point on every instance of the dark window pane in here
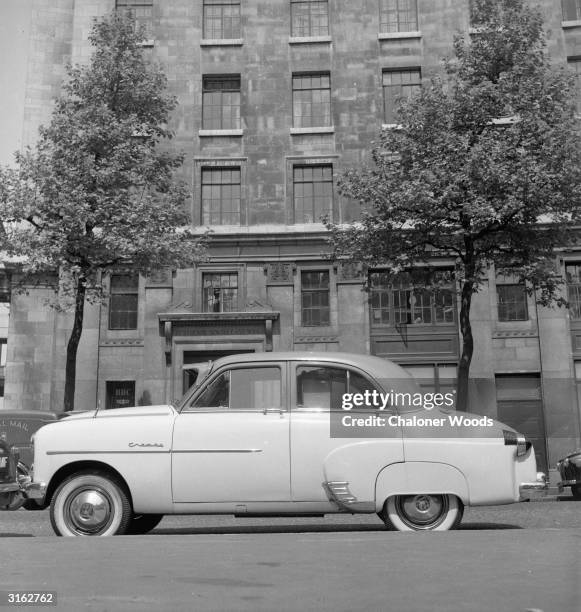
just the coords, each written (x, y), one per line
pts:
(120, 394)
(220, 292)
(221, 196)
(512, 302)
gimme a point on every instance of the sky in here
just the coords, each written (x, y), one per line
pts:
(14, 31)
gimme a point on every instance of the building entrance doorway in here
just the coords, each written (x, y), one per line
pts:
(190, 376)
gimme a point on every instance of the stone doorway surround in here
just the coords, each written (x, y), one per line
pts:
(211, 331)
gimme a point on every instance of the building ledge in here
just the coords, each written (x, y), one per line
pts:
(313, 130)
(218, 316)
(571, 24)
(398, 35)
(207, 133)
(221, 42)
(150, 42)
(301, 40)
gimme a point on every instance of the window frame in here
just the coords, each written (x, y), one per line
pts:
(236, 33)
(392, 101)
(575, 5)
(514, 304)
(327, 106)
(388, 293)
(133, 7)
(313, 199)
(399, 12)
(206, 215)
(125, 292)
(207, 91)
(573, 297)
(310, 14)
(312, 291)
(220, 273)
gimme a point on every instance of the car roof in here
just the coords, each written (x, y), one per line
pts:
(376, 366)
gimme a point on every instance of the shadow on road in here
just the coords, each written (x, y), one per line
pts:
(16, 535)
(305, 529)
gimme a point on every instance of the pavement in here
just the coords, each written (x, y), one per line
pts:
(515, 558)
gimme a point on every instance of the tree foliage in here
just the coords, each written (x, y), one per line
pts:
(484, 166)
(98, 190)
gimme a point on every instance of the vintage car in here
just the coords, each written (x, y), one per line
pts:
(16, 430)
(285, 434)
(570, 472)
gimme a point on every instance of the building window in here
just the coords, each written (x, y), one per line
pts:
(398, 85)
(512, 302)
(221, 196)
(220, 292)
(313, 193)
(142, 11)
(571, 10)
(573, 276)
(123, 301)
(120, 394)
(400, 301)
(309, 18)
(398, 15)
(222, 19)
(311, 100)
(315, 298)
(221, 103)
(574, 64)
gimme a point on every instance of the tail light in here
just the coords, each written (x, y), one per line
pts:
(511, 438)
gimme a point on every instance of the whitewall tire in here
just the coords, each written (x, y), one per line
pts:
(90, 503)
(422, 512)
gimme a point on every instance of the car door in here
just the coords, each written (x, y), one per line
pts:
(323, 450)
(231, 441)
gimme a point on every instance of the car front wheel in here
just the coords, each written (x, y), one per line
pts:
(422, 512)
(90, 503)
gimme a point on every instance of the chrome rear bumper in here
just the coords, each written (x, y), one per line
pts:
(35, 490)
(527, 490)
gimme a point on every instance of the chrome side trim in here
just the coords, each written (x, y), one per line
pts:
(218, 450)
(112, 452)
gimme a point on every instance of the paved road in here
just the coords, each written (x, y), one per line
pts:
(512, 558)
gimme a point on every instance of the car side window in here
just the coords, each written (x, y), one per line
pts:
(243, 389)
(323, 387)
(216, 395)
(320, 387)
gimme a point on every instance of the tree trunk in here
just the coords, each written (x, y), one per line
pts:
(73, 345)
(467, 346)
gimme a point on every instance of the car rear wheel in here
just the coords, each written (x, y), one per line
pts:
(90, 503)
(576, 490)
(422, 512)
(143, 523)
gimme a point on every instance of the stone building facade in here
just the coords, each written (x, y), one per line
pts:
(276, 99)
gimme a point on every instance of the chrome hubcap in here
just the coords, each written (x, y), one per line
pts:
(88, 511)
(423, 511)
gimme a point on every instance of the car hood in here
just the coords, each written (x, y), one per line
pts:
(135, 411)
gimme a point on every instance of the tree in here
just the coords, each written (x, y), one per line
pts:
(484, 167)
(97, 191)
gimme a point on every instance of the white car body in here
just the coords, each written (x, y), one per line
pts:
(280, 458)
